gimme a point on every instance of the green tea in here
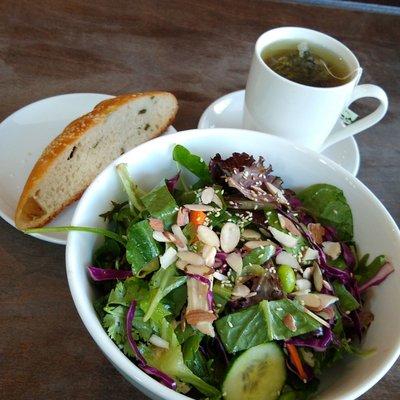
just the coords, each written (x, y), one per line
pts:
(307, 64)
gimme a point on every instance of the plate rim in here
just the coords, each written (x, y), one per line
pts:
(202, 125)
(10, 220)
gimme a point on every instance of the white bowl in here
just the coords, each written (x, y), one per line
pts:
(149, 163)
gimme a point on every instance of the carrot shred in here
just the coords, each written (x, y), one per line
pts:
(197, 217)
(296, 361)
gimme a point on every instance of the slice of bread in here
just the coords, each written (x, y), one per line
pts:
(86, 146)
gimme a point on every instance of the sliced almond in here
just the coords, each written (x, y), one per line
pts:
(310, 254)
(317, 232)
(290, 322)
(317, 278)
(193, 317)
(198, 269)
(199, 207)
(220, 277)
(327, 313)
(190, 257)
(156, 224)
(327, 300)
(277, 193)
(181, 264)
(206, 328)
(207, 236)
(308, 273)
(327, 285)
(286, 223)
(168, 258)
(282, 237)
(217, 200)
(317, 302)
(331, 249)
(182, 241)
(250, 234)
(230, 236)
(158, 342)
(311, 301)
(208, 254)
(254, 244)
(316, 317)
(300, 292)
(240, 290)
(235, 261)
(182, 217)
(160, 237)
(207, 195)
(285, 258)
(303, 284)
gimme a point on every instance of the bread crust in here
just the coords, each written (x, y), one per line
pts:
(71, 134)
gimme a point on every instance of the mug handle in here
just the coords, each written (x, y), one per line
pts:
(359, 92)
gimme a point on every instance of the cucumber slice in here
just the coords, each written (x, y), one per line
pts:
(257, 374)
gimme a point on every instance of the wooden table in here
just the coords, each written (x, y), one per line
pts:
(199, 51)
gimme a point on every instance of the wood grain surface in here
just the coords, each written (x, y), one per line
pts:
(199, 50)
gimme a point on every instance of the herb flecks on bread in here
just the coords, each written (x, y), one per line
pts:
(86, 146)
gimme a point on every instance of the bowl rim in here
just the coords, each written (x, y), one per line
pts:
(88, 315)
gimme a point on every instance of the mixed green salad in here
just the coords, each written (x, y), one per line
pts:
(233, 287)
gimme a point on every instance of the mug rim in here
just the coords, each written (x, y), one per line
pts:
(259, 47)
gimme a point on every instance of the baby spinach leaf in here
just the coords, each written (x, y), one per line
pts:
(279, 309)
(161, 204)
(244, 329)
(141, 248)
(367, 271)
(259, 255)
(175, 300)
(346, 299)
(193, 163)
(328, 205)
(183, 335)
(262, 323)
(193, 358)
(221, 295)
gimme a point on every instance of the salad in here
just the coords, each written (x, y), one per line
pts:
(234, 287)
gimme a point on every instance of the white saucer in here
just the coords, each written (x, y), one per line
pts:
(227, 112)
(24, 135)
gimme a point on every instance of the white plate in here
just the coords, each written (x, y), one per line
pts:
(227, 112)
(23, 137)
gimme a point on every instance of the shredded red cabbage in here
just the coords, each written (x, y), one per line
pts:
(316, 343)
(330, 233)
(101, 274)
(348, 256)
(164, 378)
(382, 274)
(294, 202)
(128, 328)
(172, 182)
(221, 256)
(221, 349)
(331, 272)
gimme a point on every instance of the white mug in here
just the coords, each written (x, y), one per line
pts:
(304, 114)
